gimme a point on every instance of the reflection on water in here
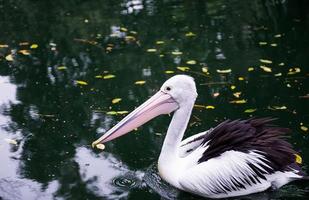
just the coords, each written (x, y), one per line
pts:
(252, 54)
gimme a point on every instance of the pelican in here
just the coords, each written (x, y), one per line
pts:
(235, 158)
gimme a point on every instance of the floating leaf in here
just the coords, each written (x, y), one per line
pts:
(159, 42)
(277, 107)
(183, 68)
(262, 43)
(233, 87)
(210, 107)
(81, 82)
(237, 94)
(191, 62)
(100, 146)
(140, 82)
(278, 74)
(199, 106)
(122, 112)
(11, 141)
(177, 53)
(34, 46)
(151, 50)
(250, 69)
(98, 76)
(109, 76)
(169, 72)
(266, 61)
(281, 64)
(61, 67)
(24, 52)
(205, 70)
(241, 78)
(288, 85)
(224, 71)
(273, 44)
(304, 128)
(123, 29)
(190, 34)
(266, 69)
(298, 159)
(4, 46)
(111, 113)
(116, 100)
(216, 94)
(278, 36)
(9, 58)
(241, 101)
(250, 110)
(294, 70)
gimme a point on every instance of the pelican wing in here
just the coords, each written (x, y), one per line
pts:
(240, 157)
(191, 143)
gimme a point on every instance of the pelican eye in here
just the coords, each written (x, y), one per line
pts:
(168, 88)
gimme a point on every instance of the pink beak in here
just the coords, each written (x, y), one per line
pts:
(160, 103)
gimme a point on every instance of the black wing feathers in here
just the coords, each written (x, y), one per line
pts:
(251, 135)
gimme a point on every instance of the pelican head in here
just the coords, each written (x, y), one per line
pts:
(175, 92)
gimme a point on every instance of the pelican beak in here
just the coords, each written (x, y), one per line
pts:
(160, 103)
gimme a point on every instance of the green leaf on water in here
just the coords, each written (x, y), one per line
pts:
(151, 50)
(190, 34)
(177, 53)
(191, 62)
(266, 69)
(262, 43)
(266, 61)
(169, 72)
(160, 42)
(140, 82)
(62, 68)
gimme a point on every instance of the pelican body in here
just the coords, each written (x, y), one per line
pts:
(235, 158)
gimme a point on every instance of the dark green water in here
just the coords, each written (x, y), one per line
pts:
(48, 120)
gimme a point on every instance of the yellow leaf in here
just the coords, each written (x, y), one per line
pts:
(11, 141)
(183, 68)
(98, 76)
(273, 44)
(224, 71)
(294, 70)
(169, 72)
(109, 76)
(122, 112)
(34, 46)
(250, 69)
(210, 107)
(277, 36)
(298, 159)
(277, 107)
(61, 67)
(191, 62)
(199, 106)
(262, 43)
(176, 53)
(266, 61)
(237, 94)
(24, 52)
(123, 29)
(205, 70)
(304, 128)
(278, 74)
(151, 50)
(129, 38)
(4, 46)
(9, 57)
(266, 69)
(100, 146)
(233, 87)
(111, 113)
(161, 55)
(250, 110)
(216, 94)
(281, 64)
(81, 82)
(159, 42)
(190, 34)
(140, 82)
(116, 100)
(241, 78)
(241, 101)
